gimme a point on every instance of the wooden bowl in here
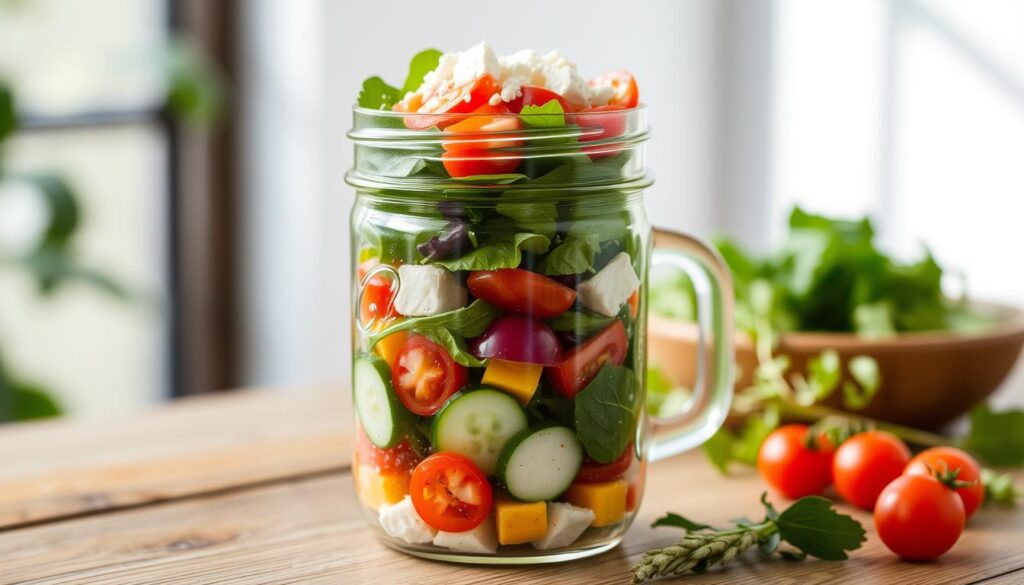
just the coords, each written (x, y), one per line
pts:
(927, 378)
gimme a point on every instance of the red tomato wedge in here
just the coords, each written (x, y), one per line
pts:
(475, 141)
(424, 376)
(583, 362)
(521, 291)
(450, 493)
(398, 460)
(437, 109)
(593, 472)
(626, 93)
(538, 96)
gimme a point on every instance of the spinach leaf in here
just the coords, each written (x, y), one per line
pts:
(469, 321)
(422, 63)
(455, 345)
(376, 94)
(499, 253)
(581, 323)
(574, 255)
(522, 207)
(606, 413)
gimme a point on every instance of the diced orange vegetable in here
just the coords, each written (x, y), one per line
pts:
(607, 500)
(520, 522)
(376, 489)
(634, 304)
(516, 378)
(388, 347)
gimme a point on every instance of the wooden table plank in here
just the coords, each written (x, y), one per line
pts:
(268, 499)
(56, 469)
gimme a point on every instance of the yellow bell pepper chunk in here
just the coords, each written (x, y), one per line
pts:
(607, 500)
(518, 379)
(388, 347)
(376, 489)
(520, 522)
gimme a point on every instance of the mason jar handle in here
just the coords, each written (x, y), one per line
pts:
(707, 407)
(370, 326)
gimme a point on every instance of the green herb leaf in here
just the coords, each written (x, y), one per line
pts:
(580, 322)
(469, 321)
(499, 253)
(823, 374)
(575, 255)
(813, 526)
(676, 521)
(422, 63)
(454, 345)
(999, 488)
(997, 437)
(8, 115)
(606, 412)
(376, 94)
(864, 370)
(549, 115)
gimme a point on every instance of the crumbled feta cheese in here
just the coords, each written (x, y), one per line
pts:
(428, 290)
(401, 521)
(565, 524)
(552, 71)
(610, 287)
(482, 539)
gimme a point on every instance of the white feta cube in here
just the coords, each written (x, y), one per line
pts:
(401, 521)
(565, 524)
(482, 539)
(611, 287)
(428, 290)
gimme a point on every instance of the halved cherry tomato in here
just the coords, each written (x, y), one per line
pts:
(521, 291)
(599, 123)
(583, 362)
(484, 145)
(450, 493)
(437, 108)
(947, 459)
(398, 460)
(919, 518)
(378, 302)
(425, 376)
(792, 468)
(538, 96)
(626, 93)
(593, 472)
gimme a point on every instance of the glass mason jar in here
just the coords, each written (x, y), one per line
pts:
(499, 278)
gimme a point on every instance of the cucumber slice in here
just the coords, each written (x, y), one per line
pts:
(378, 407)
(477, 424)
(540, 463)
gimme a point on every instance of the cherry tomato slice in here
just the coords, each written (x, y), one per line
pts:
(626, 93)
(437, 109)
(521, 291)
(424, 376)
(450, 493)
(481, 144)
(583, 362)
(945, 459)
(593, 472)
(398, 460)
(538, 96)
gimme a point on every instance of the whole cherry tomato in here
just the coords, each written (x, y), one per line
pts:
(918, 517)
(948, 459)
(865, 464)
(791, 467)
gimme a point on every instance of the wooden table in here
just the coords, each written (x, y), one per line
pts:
(254, 487)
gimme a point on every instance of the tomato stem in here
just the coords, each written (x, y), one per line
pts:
(818, 411)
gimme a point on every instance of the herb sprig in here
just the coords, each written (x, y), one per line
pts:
(811, 526)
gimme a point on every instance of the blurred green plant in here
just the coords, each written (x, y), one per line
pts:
(195, 96)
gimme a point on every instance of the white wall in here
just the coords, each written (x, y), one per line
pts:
(310, 59)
